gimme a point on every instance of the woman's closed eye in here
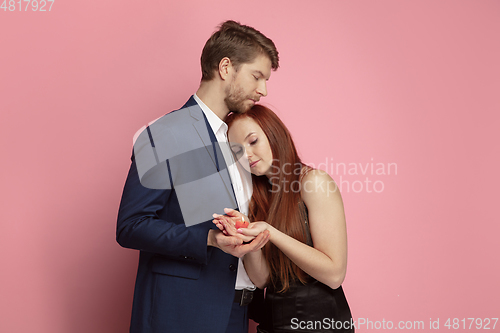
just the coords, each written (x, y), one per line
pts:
(237, 150)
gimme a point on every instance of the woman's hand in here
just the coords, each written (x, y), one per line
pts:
(236, 224)
(254, 229)
(228, 226)
(234, 215)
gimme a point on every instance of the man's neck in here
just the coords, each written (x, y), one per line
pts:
(212, 94)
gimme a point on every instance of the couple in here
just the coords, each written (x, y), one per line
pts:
(198, 274)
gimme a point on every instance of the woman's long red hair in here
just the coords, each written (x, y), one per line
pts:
(276, 199)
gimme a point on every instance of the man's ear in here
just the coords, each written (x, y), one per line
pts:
(225, 68)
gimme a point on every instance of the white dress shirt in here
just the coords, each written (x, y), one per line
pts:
(242, 186)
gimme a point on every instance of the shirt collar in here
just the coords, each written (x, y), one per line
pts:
(215, 122)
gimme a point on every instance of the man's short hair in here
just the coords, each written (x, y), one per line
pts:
(240, 43)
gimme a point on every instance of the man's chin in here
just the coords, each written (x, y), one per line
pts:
(247, 108)
(241, 107)
(241, 110)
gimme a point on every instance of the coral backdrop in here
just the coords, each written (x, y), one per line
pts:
(398, 100)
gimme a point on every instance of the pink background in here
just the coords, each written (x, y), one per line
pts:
(415, 83)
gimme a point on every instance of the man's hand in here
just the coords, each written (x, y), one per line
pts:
(234, 245)
(229, 228)
(235, 216)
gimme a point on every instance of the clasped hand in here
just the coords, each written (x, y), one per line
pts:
(254, 237)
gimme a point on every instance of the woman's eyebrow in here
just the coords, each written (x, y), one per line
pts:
(249, 135)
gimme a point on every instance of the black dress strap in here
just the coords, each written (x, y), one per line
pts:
(309, 240)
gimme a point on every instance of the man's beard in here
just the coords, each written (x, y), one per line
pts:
(235, 99)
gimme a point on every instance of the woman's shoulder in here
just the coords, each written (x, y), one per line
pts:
(312, 175)
(316, 183)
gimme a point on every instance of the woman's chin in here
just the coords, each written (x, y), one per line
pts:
(257, 173)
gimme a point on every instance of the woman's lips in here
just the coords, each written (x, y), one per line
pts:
(253, 164)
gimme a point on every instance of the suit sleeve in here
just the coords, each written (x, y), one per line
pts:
(143, 224)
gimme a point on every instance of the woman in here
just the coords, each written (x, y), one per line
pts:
(304, 263)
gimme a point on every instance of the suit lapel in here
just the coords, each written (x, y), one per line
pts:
(211, 144)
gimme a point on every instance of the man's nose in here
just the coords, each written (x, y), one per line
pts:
(262, 88)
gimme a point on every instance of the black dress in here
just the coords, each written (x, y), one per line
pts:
(313, 307)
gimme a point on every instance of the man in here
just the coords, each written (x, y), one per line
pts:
(189, 277)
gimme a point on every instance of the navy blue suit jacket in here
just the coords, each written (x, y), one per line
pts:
(182, 284)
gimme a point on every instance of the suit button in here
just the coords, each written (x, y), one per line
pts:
(232, 268)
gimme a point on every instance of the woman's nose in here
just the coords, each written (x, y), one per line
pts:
(248, 152)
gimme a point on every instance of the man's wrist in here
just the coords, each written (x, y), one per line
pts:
(211, 241)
